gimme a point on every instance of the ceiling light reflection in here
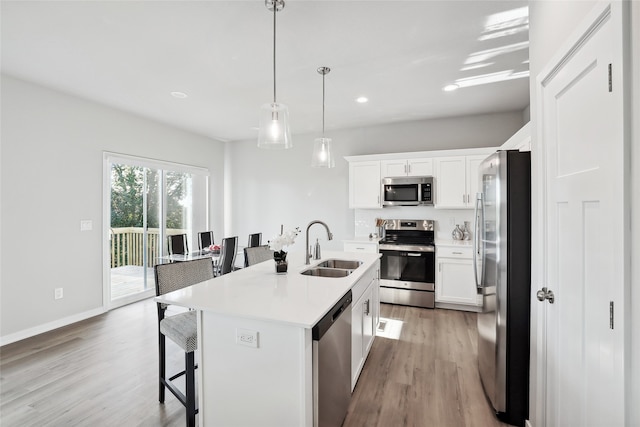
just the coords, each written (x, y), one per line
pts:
(504, 33)
(476, 66)
(507, 19)
(485, 55)
(500, 76)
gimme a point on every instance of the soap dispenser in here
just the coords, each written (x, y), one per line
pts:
(316, 250)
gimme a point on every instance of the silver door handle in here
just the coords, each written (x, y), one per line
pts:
(547, 294)
(366, 310)
(477, 232)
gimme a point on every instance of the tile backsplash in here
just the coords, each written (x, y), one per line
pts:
(445, 219)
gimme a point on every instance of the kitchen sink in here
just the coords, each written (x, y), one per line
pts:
(326, 272)
(340, 263)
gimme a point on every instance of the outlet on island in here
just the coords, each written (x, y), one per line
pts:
(247, 337)
(58, 294)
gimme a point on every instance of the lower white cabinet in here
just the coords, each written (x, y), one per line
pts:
(455, 281)
(365, 312)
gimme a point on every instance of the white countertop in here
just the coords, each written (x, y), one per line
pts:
(257, 292)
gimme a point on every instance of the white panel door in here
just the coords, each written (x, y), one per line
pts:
(582, 132)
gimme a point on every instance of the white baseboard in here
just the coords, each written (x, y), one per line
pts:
(28, 333)
(527, 423)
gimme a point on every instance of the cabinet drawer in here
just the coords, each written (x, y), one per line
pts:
(368, 247)
(454, 252)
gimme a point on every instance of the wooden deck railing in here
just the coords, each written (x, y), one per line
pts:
(127, 245)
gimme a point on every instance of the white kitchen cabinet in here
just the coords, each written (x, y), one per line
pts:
(455, 281)
(406, 167)
(365, 311)
(364, 184)
(361, 246)
(457, 181)
(473, 186)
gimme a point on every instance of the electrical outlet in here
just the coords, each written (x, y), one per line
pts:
(58, 294)
(247, 337)
(86, 225)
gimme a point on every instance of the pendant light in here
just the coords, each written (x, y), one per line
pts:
(322, 157)
(274, 117)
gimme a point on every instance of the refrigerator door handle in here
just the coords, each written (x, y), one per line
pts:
(477, 248)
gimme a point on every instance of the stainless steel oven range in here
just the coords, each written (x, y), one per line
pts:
(408, 263)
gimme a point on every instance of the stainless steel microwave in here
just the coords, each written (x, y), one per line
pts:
(408, 191)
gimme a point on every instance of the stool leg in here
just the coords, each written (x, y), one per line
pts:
(190, 387)
(162, 363)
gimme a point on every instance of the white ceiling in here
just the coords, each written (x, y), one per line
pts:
(400, 54)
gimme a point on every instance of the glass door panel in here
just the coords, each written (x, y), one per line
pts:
(179, 199)
(133, 243)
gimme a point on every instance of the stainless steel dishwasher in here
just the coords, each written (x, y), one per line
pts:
(332, 365)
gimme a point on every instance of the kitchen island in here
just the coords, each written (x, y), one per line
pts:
(255, 341)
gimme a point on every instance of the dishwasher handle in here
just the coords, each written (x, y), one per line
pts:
(332, 315)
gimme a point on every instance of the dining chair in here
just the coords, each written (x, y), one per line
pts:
(255, 239)
(180, 328)
(228, 254)
(257, 254)
(205, 239)
(178, 244)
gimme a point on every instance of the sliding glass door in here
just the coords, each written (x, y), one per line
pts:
(147, 201)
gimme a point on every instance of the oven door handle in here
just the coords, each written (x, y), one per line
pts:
(418, 254)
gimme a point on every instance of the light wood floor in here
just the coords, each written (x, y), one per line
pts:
(427, 377)
(103, 372)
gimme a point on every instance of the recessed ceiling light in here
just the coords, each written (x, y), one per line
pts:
(179, 95)
(362, 99)
(450, 88)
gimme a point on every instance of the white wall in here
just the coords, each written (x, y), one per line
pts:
(52, 154)
(279, 187)
(551, 23)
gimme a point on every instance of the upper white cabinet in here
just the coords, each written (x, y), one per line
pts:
(406, 167)
(457, 181)
(455, 175)
(364, 184)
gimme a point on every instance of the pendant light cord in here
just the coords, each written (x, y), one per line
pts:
(275, 10)
(323, 75)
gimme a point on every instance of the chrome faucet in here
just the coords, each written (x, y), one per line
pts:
(329, 235)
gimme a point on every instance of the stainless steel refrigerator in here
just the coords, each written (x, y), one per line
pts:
(502, 263)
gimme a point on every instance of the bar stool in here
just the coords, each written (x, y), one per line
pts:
(180, 328)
